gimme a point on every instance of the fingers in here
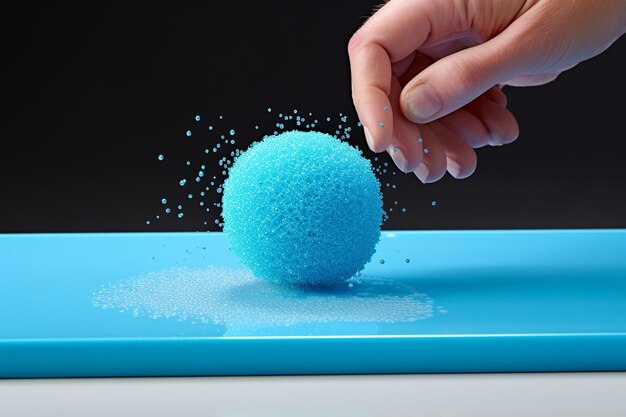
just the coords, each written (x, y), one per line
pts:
(500, 122)
(434, 163)
(406, 149)
(460, 157)
(371, 84)
(467, 127)
(390, 35)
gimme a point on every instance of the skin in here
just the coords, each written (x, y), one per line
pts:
(460, 53)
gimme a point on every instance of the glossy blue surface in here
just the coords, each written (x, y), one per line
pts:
(500, 301)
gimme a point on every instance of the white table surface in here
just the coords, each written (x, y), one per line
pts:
(485, 395)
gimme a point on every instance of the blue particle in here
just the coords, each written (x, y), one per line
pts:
(217, 221)
(163, 201)
(168, 210)
(188, 163)
(269, 109)
(219, 190)
(182, 182)
(426, 150)
(180, 215)
(328, 119)
(197, 118)
(359, 124)
(160, 157)
(188, 133)
(190, 196)
(433, 203)
(404, 210)
(210, 127)
(420, 140)
(382, 125)
(256, 127)
(200, 174)
(180, 207)
(407, 260)
(382, 261)
(386, 108)
(395, 149)
(147, 221)
(295, 111)
(221, 117)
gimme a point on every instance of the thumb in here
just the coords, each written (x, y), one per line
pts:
(457, 79)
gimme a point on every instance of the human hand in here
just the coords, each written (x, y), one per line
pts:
(430, 71)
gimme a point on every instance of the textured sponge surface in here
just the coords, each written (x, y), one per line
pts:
(302, 208)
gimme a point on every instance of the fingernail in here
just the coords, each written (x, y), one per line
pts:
(398, 158)
(495, 139)
(422, 173)
(368, 138)
(423, 102)
(453, 167)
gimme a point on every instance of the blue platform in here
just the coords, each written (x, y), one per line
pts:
(499, 301)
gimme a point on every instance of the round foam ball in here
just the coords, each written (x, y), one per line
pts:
(302, 208)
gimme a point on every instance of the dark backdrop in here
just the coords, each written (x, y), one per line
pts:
(92, 92)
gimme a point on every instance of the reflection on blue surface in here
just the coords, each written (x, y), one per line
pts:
(247, 306)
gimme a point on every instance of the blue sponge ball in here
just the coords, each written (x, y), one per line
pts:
(302, 208)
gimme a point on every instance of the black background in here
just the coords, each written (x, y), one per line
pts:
(92, 92)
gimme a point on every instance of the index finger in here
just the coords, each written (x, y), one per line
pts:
(390, 35)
